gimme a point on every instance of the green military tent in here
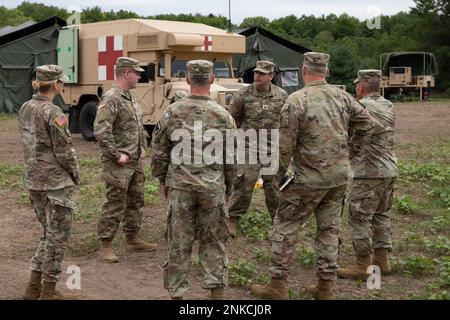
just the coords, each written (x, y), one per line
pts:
(262, 44)
(22, 49)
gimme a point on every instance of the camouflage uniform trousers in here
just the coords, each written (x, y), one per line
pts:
(124, 203)
(192, 215)
(369, 222)
(54, 210)
(297, 202)
(241, 196)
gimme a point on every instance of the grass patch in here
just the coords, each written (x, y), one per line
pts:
(255, 225)
(7, 116)
(86, 245)
(11, 175)
(90, 201)
(405, 205)
(261, 255)
(416, 265)
(306, 256)
(242, 273)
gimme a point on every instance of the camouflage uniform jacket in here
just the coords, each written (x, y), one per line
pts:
(49, 156)
(314, 126)
(378, 159)
(192, 176)
(253, 109)
(118, 125)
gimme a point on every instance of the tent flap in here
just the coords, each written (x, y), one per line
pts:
(20, 53)
(263, 45)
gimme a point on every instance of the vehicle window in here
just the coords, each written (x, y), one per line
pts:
(221, 69)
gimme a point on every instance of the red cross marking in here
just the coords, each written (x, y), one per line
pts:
(109, 57)
(207, 43)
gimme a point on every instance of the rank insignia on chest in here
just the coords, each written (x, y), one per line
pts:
(61, 120)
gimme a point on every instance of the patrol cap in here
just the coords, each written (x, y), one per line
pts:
(50, 72)
(199, 68)
(369, 75)
(316, 59)
(126, 62)
(264, 66)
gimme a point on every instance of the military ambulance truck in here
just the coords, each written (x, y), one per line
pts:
(88, 53)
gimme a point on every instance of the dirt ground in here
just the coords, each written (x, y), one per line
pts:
(139, 276)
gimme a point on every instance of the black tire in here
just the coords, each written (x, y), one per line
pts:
(87, 118)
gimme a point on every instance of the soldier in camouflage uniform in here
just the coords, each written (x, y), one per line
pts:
(119, 129)
(257, 106)
(50, 173)
(314, 126)
(375, 171)
(195, 189)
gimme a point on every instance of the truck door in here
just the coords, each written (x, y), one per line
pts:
(68, 53)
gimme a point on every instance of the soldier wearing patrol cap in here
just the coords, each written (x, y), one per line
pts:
(50, 172)
(196, 191)
(256, 107)
(375, 172)
(119, 130)
(314, 132)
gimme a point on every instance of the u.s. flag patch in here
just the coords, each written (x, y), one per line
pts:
(61, 120)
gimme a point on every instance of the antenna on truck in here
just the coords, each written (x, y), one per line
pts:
(229, 17)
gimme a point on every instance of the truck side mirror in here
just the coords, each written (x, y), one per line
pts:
(151, 71)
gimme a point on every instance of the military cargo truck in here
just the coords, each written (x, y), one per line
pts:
(404, 73)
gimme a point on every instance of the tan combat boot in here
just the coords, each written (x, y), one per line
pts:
(277, 289)
(323, 291)
(358, 270)
(381, 259)
(50, 293)
(136, 244)
(106, 253)
(217, 294)
(233, 226)
(34, 286)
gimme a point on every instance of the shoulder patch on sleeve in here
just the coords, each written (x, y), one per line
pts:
(61, 120)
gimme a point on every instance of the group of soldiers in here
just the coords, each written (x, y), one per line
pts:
(326, 137)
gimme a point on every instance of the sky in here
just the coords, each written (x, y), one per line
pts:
(239, 8)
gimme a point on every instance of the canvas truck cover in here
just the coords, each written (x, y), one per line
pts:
(421, 63)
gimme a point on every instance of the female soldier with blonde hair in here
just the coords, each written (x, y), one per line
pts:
(50, 172)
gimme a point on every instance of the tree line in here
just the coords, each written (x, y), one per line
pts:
(352, 45)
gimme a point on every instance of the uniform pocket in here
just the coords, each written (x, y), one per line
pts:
(62, 198)
(116, 175)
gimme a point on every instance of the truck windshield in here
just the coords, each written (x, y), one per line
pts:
(221, 69)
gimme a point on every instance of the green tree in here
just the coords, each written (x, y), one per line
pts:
(11, 17)
(94, 14)
(254, 21)
(39, 11)
(344, 65)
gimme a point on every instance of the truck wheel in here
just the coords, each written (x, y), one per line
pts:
(87, 118)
